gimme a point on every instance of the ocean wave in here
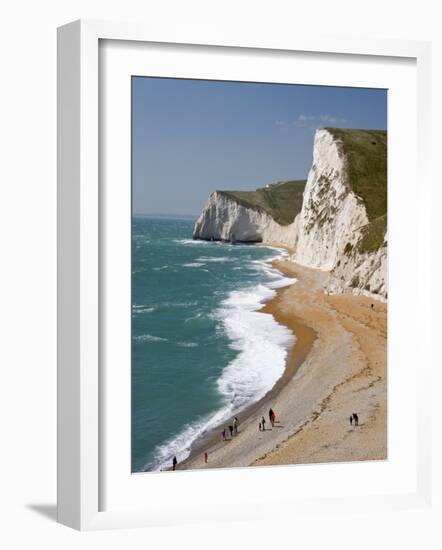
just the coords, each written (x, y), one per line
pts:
(160, 268)
(278, 279)
(215, 259)
(162, 305)
(178, 304)
(198, 315)
(262, 345)
(261, 341)
(282, 253)
(148, 338)
(191, 242)
(187, 344)
(282, 282)
(143, 310)
(180, 444)
(194, 264)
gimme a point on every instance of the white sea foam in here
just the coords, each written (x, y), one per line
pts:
(215, 259)
(160, 268)
(262, 346)
(144, 310)
(280, 283)
(282, 253)
(179, 304)
(136, 309)
(196, 316)
(179, 445)
(191, 242)
(194, 264)
(261, 341)
(187, 344)
(149, 338)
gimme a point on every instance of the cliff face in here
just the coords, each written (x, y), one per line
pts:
(361, 274)
(330, 211)
(337, 229)
(333, 223)
(225, 219)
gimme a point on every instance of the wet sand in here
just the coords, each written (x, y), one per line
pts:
(336, 367)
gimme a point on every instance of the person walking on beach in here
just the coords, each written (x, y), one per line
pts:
(356, 419)
(206, 457)
(174, 463)
(263, 422)
(272, 417)
(351, 420)
(235, 424)
(231, 431)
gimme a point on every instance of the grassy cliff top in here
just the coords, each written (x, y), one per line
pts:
(282, 200)
(365, 152)
(366, 155)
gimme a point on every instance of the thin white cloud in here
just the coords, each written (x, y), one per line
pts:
(305, 118)
(311, 121)
(332, 119)
(314, 121)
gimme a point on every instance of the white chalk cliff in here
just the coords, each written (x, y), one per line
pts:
(326, 233)
(224, 219)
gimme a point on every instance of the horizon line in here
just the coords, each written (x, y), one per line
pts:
(164, 215)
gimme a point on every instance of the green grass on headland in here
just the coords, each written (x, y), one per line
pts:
(282, 200)
(366, 155)
(366, 159)
(373, 235)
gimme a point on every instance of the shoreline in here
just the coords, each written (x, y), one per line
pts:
(305, 337)
(337, 366)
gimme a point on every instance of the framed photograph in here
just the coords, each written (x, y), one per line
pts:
(234, 281)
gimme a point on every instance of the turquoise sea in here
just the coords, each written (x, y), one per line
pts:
(200, 350)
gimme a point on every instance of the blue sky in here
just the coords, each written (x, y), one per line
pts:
(191, 137)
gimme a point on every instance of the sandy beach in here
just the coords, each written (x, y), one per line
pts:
(337, 367)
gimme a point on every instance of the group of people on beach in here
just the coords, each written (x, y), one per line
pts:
(232, 429)
(262, 421)
(354, 418)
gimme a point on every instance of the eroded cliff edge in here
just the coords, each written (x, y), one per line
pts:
(336, 221)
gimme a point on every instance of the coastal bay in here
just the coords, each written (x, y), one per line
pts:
(259, 276)
(202, 351)
(341, 370)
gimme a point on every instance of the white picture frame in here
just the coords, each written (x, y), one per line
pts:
(80, 272)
